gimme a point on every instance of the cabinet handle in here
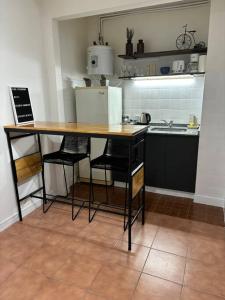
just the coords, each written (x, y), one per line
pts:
(101, 93)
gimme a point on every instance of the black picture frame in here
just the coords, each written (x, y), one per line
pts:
(21, 104)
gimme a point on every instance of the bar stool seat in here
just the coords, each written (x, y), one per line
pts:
(72, 150)
(63, 158)
(109, 162)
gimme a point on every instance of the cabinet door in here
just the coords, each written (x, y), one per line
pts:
(181, 162)
(155, 160)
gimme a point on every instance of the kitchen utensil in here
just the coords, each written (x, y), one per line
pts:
(145, 118)
(178, 66)
(164, 70)
(202, 63)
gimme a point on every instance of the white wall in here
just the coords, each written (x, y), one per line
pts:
(21, 64)
(73, 40)
(153, 28)
(210, 186)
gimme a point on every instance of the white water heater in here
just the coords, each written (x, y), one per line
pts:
(100, 60)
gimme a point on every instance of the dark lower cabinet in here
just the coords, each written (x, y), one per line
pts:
(171, 161)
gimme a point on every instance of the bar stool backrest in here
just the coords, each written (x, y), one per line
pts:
(116, 148)
(75, 144)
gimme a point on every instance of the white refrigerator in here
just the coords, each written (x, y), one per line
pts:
(101, 105)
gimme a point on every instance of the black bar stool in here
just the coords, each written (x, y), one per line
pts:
(72, 150)
(114, 158)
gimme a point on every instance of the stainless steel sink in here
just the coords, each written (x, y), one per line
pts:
(169, 129)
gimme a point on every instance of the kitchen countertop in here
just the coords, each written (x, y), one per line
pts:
(192, 132)
(188, 131)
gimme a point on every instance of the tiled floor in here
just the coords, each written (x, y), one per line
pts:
(163, 204)
(50, 257)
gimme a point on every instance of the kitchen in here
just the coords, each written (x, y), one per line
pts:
(175, 249)
(177, 99)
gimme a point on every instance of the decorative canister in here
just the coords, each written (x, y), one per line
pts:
(140, 47)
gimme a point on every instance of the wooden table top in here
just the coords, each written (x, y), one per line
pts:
(85, 128)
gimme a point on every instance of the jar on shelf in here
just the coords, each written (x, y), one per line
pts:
(140, 47)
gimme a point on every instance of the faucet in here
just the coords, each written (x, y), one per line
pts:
(169, 124)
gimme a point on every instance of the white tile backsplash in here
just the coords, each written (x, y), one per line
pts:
(164, 100)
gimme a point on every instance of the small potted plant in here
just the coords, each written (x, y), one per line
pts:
(129, 45)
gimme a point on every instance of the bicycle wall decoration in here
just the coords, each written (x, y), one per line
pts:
(189, 38)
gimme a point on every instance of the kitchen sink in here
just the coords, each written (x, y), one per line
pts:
(169, 129)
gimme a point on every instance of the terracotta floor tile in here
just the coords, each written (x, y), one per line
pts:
(14, 229)
(210, 251)
(71, 243)
(205, 278)
(94, 250)
(115, 282)
(103, 228)
(166, 266)
(173, 241)
(153, 288)
(110, 217)
(55, 217)
(90, 296)
(207, 230)
(176, 223)
(6, 268)
(134, 259)
(54, 290)
(79, 270)
(47, 260)
(142, 235)
(43, 235)
(101, 240)
(188, 294)
(22, 285)
(18, 249)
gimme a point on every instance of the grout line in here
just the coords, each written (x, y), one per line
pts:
(142, 270)
(177, 283)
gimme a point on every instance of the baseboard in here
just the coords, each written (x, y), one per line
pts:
(27, 208)
(169, 192)
(161, 191)
(203, 199)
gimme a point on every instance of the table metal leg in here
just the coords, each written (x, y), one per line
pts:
(13, 167)
(42, 175)
(143, 205)
(130, 198)
(143, 189)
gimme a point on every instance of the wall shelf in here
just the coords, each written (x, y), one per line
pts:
(164, 53)
(177, 75)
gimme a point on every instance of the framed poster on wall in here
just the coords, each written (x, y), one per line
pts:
(21, 104)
